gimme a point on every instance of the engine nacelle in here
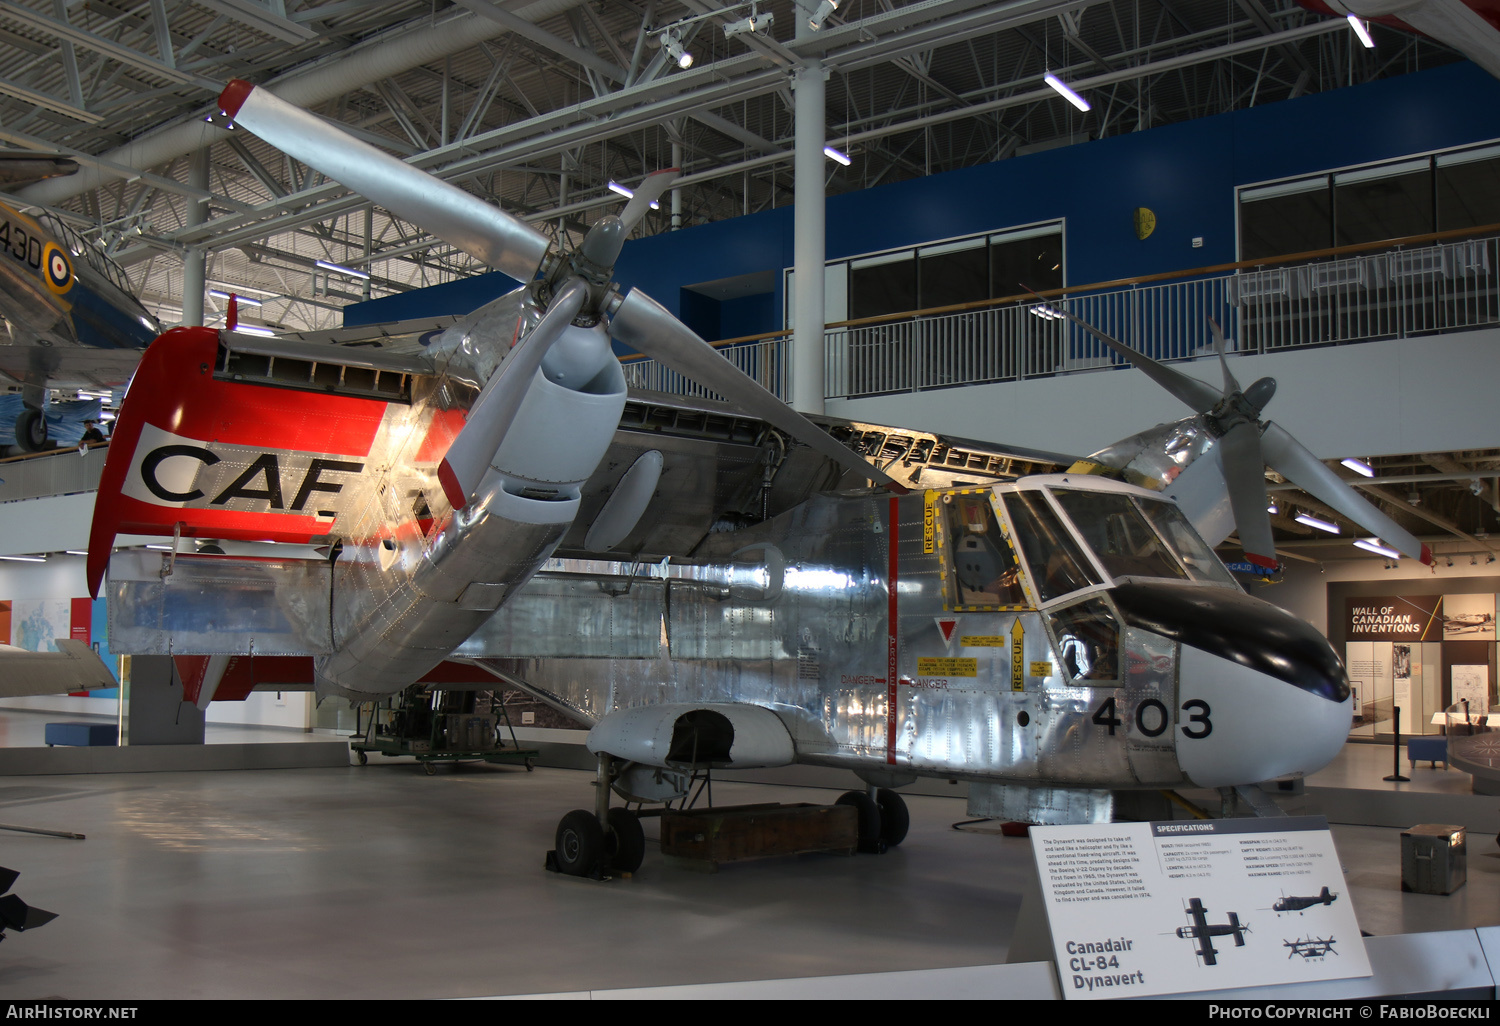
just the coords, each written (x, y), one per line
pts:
(682, 735)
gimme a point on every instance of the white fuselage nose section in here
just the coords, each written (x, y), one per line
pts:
(1238, 724)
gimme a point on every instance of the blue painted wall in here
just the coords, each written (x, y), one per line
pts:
(1186, 173)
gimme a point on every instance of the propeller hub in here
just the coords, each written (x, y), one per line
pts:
(1260, 393)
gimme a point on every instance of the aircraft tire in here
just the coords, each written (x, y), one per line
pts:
(869, 819)
(894, 819)
(626, 841)
(31, 431)
(580, 843)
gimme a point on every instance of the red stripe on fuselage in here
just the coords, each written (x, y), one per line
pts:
(891, 637)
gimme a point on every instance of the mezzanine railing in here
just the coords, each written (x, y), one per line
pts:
(1429, 284)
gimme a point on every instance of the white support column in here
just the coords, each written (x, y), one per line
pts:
(195, 263)
(676, 193)
(809, 252)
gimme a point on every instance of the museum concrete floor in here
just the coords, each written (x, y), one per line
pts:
(384, 882)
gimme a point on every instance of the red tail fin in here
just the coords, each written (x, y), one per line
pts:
(210, 452)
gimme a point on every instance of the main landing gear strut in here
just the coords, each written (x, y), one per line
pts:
(609, 841)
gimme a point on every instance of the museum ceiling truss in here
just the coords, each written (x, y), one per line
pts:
(540, 106)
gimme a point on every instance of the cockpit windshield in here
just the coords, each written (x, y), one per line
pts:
(1134, 537)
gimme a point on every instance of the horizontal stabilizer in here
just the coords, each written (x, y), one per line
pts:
(75, 666)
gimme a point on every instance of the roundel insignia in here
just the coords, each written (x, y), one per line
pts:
(1145, 222)
(56, 268)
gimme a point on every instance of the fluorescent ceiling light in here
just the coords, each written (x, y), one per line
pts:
(1066, 93)
(833, 154)
(75, 552)
(1359, 466)
(1373, 545)
(1322, 525)
(629, 193)
(1362, 31)
(341, 269)
(26, 559)
(251, 329)
(245, 300)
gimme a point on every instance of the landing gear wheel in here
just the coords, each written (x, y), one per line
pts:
(894, 819)
(869, 820)
(429, 768)
(626, 842)
(580, 843)
(364, 759)
(31, 431)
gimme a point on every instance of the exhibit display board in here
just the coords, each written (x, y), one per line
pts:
(1418, 653)
(1141, 909)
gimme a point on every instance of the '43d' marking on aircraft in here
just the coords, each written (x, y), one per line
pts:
(703, 585)
(71, 318)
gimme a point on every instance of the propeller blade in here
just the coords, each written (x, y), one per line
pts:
(1230, 385)
(646, 326)
(468, 458)
(1245, 473)
(648, 192)
(483, 231)
(1289, 458)
(1200, 395)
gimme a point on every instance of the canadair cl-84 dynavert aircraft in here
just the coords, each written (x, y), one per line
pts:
(703, 585)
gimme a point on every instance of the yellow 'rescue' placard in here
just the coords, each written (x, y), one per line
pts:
(947, 666)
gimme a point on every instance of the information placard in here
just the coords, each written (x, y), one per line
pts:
(1138, 909)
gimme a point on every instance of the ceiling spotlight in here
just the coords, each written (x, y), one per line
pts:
(825, 8)
(1362, 31)
(1450, 560)
(1322, 525)
(1271, 509)
(1359, 467)
(754, 22)
(1063, 91)
(1414, 498)
(1474, 560)
(1490, 558)
(1476, 486)
(672, 43)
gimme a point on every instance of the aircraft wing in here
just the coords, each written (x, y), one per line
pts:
(68, 366)
(407, 338)
(73, 667)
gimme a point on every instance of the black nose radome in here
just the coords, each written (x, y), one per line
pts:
(1234, 626)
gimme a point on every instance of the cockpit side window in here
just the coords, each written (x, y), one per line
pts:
(1119, 535)
(981, 570)
(1057, 566)
(1088, 641)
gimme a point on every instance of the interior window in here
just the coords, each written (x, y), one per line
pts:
(1056, 563)
(985, 571)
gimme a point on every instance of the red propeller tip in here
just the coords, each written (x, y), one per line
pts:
(234, 96)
